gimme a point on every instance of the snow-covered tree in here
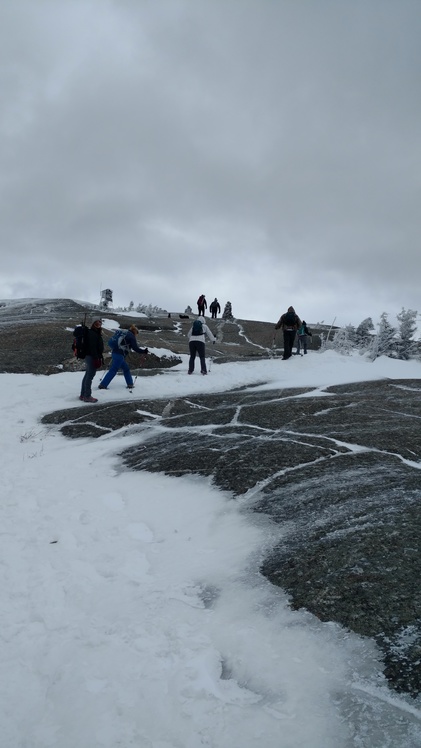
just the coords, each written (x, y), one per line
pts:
(150, 311)
(384, 343)
(406, 347)
(344, 340)
(363, 338)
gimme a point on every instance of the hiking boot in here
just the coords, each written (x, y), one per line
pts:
(189, 372)
(90, 399)
(204, 372)
(101, 387)
(130, 386)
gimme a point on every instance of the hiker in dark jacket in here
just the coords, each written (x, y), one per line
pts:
(202, 304)
(196, 336)
(118, 358)
(93, 360)
(215, 308)
(289, 323)
(303, 332)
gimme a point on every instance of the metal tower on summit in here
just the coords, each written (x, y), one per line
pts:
(106, 298)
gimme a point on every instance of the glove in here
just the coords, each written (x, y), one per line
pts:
(214, 341)
(145, 351)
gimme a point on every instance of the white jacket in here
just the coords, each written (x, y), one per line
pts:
(206, 331)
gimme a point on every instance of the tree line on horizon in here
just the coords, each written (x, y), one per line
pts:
(394, 341)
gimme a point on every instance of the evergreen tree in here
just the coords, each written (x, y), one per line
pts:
(406, 346)
(344, 340)
(363, 338)
(384, 343)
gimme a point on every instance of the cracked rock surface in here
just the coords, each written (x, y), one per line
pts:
(338, 471)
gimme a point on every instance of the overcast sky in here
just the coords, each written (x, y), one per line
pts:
(267, 152)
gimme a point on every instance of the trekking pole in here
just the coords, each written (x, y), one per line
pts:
(271, 350)
(131, 388)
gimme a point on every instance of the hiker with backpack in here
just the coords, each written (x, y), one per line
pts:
(121, 343)
(215, 308)
(93, 349)
(289, 323)
(303, 333)
(196, 336)
(202, 304)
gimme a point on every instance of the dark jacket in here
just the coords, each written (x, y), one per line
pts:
(289, 320)
(131, 343)
(95, 346)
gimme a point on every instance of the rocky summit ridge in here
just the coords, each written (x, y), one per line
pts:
(44, 331)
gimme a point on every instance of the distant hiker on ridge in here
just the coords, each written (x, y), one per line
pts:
(93, 360)
(202, 305)
(289, 322)
(215, 308)
(121, 343)
(196, 336)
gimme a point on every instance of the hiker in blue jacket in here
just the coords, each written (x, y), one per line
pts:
(196, 336)
(127, 343)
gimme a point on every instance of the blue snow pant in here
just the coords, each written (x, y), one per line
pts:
(117, 362)
(197, 346)
(90, 371)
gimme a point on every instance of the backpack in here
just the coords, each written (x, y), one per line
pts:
(302, 330)
(200, 300)
(290, 319)
(197, 328)
(80, 341)
(117, 342)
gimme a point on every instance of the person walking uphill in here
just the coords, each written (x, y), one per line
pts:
(93, 360)
(202, 304)
(303, 332)
(215, 308)
(121, 343)
(196, 336)
(289, 323)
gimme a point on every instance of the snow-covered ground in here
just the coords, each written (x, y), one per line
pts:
(132, 610)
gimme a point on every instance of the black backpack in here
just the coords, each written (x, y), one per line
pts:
(197, 328)
(290, 319)
(80, 341)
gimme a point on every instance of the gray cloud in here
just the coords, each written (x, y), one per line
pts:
(267, 153)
